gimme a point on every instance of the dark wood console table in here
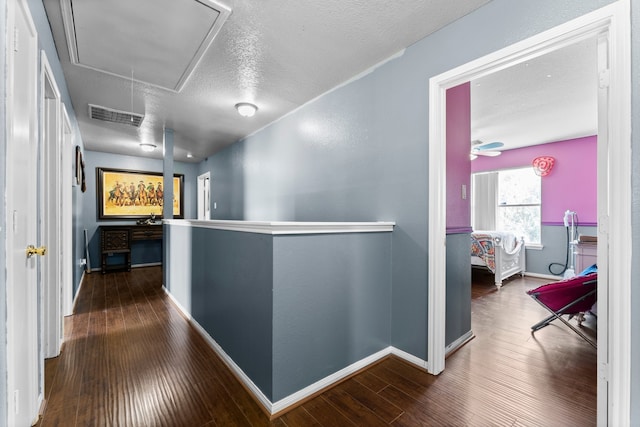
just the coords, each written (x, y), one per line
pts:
(116, 239)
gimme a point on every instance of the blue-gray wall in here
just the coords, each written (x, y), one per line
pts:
(331, 308)
(554, 241)
(142, 252)
(360, 152)
(224, 281)
(289, 310)
(232, 297)
(458, 295)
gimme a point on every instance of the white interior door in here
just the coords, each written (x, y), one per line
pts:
(51, 213)
(23, 392)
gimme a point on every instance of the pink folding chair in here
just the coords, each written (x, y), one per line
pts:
(571, 297)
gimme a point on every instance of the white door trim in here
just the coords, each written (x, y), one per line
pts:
(613, 20)
(50, 209)
(204, 196)
(67, 177)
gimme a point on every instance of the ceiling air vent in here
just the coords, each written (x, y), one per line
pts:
(115, 116)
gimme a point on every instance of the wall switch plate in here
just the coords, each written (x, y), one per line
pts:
(464, 191)
(215, 205)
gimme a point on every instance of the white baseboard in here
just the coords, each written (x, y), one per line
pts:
(408, 357)
(543, 276)
(326, 382)
(248, 383)
(75, 298)
(149, 264)
(458, 343)
(177, 303)
(294, 398)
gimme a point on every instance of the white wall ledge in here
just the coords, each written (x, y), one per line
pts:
(286, 227)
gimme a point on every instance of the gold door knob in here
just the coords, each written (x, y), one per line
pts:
(32, 250)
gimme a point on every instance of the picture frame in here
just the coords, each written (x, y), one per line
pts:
(116, 199)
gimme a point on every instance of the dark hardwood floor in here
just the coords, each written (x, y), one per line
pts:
(130, 359)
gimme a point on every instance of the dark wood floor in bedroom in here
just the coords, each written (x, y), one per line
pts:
(130, 359)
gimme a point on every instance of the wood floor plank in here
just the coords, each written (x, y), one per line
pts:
(369, 380)
(384, 409)
(352, 408)
(299, 417)
(220, 404)
(419, 413)
(325, 413)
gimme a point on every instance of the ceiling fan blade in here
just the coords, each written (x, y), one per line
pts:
(478, 148)
(489, 146)
(488, 153)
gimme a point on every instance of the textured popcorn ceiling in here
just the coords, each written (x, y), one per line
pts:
(277, 55)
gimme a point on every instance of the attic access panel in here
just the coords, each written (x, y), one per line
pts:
(162, 41)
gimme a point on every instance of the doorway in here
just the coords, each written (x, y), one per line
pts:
(611, 26)
(204, 196)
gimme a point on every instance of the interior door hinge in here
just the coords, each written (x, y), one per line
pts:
(603, 78)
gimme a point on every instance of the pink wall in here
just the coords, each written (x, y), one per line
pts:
(458, 164)
(572, 183)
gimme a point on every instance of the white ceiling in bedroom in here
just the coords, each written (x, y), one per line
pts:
(551, 98)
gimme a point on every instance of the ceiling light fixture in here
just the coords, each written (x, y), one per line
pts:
(246, 109)
(147, 147)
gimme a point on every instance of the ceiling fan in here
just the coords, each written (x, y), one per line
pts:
(479, 148)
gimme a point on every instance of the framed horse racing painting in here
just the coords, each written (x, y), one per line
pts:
(131, 194)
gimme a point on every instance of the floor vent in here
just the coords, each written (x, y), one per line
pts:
(115, 116)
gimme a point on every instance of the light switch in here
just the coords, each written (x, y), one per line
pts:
(464, 191)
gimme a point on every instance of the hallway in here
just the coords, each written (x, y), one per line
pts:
(131, 359)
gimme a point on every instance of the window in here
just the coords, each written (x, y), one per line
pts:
(508, 200)
(519, 198)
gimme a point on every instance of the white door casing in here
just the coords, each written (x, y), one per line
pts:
(611, 25)
(23, 376)
(51, 212)
(67, 177)
(204, 196)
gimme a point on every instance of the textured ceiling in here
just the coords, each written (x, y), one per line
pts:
(277, 55)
